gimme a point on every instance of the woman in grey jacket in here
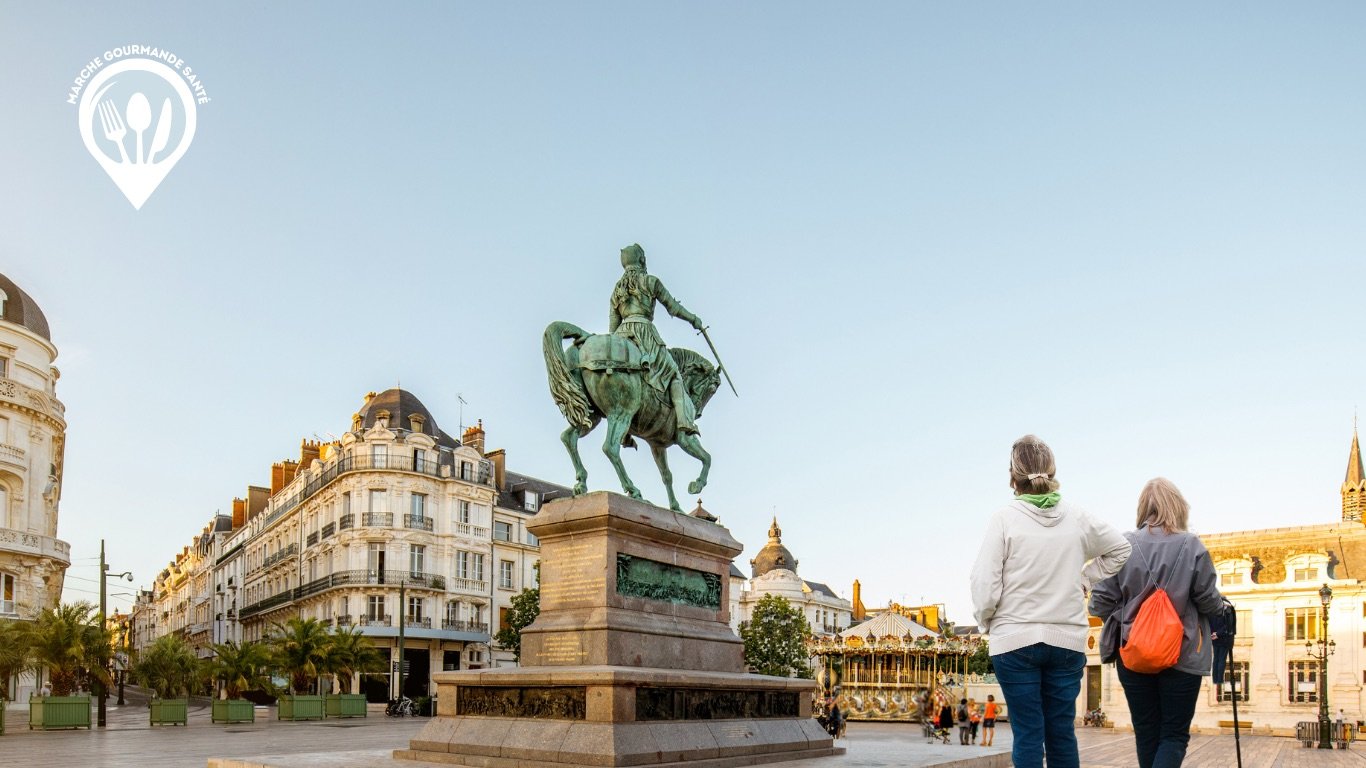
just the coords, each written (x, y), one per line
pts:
(1167, 556)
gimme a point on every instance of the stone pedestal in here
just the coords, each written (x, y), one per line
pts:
(631, 662)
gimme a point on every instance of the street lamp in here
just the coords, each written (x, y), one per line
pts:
(104, 574)
(1326, 648)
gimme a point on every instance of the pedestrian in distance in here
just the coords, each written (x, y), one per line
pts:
(945, 721)
(964, 723)
(989, 713)
(1040, 555)
(974, 720)
(1160, 657)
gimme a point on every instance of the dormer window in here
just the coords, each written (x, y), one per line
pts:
(415, 422)
(531, 501)
(1306, 574)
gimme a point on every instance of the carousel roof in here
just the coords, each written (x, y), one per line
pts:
(885, 624)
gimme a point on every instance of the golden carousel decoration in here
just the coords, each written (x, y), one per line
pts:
(891, 668)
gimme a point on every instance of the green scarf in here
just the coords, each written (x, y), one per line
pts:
(1041, 500)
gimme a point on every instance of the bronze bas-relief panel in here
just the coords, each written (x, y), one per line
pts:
(712, 704)
(546, 702)
(653, 580)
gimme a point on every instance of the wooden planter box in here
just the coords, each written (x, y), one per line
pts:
(233, 711)
(169, 711)
(56, 712)
(301, 708)
(346, 705)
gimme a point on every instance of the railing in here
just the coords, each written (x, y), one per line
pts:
(343, 621)
(312, 539)
(469, 585)
(379, 519)
(346, 521)
(12, 451)
(391, 578)
(465, 626)
(268, 603)
(359, 462)
(412, 621)
(373, 621)
(283, 554)
(417, 522)
(200, 626)
(329, 529)
(473, 531)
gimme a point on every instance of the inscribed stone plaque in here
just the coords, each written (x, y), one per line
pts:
(653, 580)
(572, 573)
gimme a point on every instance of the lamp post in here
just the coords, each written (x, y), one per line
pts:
(1326, 649)
(104, 573)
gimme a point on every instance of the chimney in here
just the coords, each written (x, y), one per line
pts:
(499, 459)
(356, 422)
(256, 500)
(239, 513)
(309, 450)
(474, 437)
(856, 605)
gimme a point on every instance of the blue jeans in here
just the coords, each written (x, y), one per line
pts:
(1041, 683)
(1162, 706)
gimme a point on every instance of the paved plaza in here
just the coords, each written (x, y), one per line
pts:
(129, 742)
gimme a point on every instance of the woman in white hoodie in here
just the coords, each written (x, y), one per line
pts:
(1039, 558)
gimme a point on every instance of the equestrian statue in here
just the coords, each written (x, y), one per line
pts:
(628, 376)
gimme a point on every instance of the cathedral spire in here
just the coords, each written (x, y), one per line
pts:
(1354, 484)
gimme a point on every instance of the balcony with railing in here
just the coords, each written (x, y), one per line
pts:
(462, 625)
(328, 530)
(343, 621)
(472, 531)
(419, 622)
(280, 555)
(372, 578)
(476, 586)
(346, 521)
(312, 539)
(362, 462)
(417, 522)
(200, 627)
(379, 519)
(274, 601)
(373, 621)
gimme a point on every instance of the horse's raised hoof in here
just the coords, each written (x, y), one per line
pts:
(634, 493)
(696, 486)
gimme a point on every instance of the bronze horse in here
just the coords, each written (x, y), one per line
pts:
(601, 376)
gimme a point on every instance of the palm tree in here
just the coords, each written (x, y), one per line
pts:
(350, 652)
(14, 652)
(70, 644)
(300, 650)
(169, 667)
(240, 667)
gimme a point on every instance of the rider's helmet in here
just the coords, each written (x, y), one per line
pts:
(633, 256)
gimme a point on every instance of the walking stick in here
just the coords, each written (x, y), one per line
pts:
(1237, 742)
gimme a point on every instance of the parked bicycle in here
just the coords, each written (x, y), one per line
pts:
(401, 707)
(1094, 717)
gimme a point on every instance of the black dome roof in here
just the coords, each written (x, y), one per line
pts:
(21, 309)
(401, 404)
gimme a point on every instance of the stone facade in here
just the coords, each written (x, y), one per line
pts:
(33, 561)
(774, 572)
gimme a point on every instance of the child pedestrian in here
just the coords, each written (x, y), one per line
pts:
(989, 721)
(974, 720)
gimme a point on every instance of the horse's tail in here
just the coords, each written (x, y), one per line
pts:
(567, 392)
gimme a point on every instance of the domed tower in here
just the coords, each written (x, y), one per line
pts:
(33, 560)
(774, 555)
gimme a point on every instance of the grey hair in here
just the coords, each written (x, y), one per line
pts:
(1032, 456)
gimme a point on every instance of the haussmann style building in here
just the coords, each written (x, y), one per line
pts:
(33, 561)
(397, 528)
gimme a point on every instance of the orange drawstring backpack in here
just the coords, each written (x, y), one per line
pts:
(1154, 641)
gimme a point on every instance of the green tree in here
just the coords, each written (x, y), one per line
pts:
(350, 652)
(526, 606)
(68, 642)
(240, 667)
(14, 652)
(299, 647)
(979, 663)
(169, 667)
(775, 639)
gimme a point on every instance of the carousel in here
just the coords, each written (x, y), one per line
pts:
(891, 668)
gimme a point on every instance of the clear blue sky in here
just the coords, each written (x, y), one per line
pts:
(917, 231)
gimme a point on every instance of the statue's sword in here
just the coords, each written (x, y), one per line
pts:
(719, 365)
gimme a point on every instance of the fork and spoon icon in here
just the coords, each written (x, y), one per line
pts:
(137, 116)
